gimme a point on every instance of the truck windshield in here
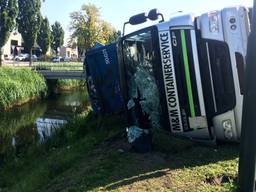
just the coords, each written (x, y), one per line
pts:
(139, 58)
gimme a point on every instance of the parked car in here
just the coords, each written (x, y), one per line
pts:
(34, 58)
(66, 59)
(8, 57)
(27, 58)
(41, 58)
(22, 57)
(57, 59)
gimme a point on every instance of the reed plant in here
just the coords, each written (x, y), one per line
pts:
(18, 86)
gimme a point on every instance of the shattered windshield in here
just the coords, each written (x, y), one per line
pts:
(139, 56)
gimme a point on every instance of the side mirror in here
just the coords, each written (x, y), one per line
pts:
(153, 15)
(138, 19)
(135, 20)
(142, 18)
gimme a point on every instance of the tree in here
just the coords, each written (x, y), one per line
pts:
(115, 36)
(8, 14)
(57, 36)
(87, 28)
(29, 20)
(44, 36)
(108, 33)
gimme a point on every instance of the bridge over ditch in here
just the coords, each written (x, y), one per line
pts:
(58, 74)
(61, 70)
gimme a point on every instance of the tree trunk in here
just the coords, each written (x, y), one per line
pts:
(0, 56)
(30, 58)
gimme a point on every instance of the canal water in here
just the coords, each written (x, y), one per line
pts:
(35, 122)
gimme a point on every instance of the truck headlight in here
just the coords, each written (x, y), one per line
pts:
(213, 22)
(227, 125)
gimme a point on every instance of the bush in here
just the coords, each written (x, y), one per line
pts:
(19, 85)
(67, 84)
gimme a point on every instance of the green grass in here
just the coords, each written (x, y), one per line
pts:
(19, 85)
(86, 156)
(41, 164)
(67, 84)
(58, 66)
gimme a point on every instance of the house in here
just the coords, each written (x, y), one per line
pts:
(13, 46)
(69, 52)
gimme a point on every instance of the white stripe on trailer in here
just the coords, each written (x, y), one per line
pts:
(197, 71)
(169, 77)
(210, 69)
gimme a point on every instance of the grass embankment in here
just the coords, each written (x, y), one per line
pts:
(17, 86)
(93, 156)
(69, 84)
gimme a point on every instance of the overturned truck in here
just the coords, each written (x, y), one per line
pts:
(102, 77)
(186, 75)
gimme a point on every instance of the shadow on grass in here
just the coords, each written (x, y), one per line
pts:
(133, 179)
(109, 168)
(141, 167)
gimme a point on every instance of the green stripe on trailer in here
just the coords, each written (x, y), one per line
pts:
(187, 73)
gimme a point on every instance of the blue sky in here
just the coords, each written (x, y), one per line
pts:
(117, 12)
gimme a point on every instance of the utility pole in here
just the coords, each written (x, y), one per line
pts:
(247, 160)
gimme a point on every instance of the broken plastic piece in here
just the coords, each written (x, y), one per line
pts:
(135, 132)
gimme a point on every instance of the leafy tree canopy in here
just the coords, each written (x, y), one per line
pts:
(29, 20)
(44, 36)
(87, 28)
(8, 13)
(57, 36)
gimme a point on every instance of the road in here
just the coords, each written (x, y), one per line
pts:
(15, 63)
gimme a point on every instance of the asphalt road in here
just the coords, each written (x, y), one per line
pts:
(16, 63)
